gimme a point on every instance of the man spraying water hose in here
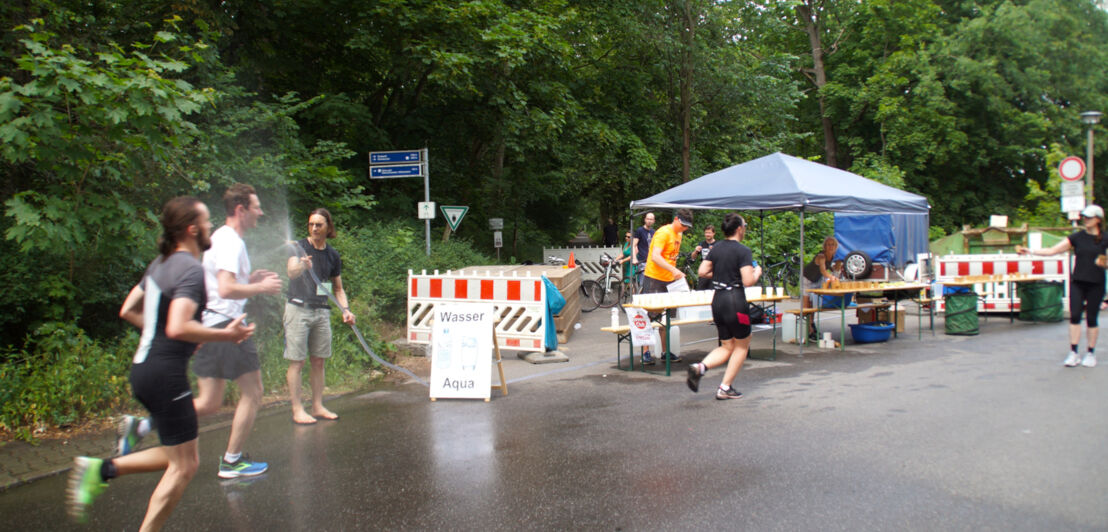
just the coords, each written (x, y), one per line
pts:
(308, 312)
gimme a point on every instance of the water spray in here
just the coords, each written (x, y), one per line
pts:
(361, 339)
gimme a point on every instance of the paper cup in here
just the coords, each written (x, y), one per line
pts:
(753, 292)
(780, 291)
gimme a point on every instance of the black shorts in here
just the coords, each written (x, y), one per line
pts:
(162, 386)
(226, 360)
(730, 314)
(651, 285)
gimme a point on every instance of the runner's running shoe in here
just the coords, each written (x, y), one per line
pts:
(693, 379)
(647, 360)
(128, 436)
(1089, 361)
(243, 467)
(729, 393)
(85, 484)
(1071, 360)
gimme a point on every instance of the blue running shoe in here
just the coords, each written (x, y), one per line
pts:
(85, 484)
(243, 467)
(128, 436)
(647, 360)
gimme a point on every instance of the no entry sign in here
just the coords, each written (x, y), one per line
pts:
(1071, 168)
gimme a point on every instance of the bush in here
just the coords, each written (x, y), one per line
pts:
(62, 376)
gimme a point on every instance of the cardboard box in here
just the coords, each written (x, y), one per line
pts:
(884, 315)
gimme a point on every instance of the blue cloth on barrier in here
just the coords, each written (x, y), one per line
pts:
(555, 302)
(947, 290)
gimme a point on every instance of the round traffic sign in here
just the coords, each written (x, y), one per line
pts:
(1071, 168)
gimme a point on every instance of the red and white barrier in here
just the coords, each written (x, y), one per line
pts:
(519, 302)
(996, 296)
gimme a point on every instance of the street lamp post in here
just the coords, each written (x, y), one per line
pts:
(1090, 118)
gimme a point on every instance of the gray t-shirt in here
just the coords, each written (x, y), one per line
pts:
(166, 279)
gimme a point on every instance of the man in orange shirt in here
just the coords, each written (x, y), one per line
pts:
(661, 265)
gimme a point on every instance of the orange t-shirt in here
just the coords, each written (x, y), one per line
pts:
(670, 244)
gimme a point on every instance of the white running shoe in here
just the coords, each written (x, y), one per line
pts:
(1071, 360)
(1089, 361)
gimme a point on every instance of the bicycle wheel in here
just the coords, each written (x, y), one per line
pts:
(608, 295)
(589, 287)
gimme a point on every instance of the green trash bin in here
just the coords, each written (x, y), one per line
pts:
(1040, 301)
(961, 314)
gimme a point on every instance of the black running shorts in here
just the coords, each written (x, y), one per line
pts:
(730, 314)
(162, 386)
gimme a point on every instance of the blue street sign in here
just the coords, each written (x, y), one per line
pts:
(395, 170)
(390, 157)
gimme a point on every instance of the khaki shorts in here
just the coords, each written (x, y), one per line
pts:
(307, 332)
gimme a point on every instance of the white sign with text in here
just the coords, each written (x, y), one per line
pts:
(461, 351)
(642, 332)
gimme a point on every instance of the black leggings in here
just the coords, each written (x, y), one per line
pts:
(1087, 296)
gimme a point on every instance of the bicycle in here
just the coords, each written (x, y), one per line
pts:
(689, 267)
(607, 289)
(785, 273)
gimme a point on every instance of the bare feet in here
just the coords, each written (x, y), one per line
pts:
(302, 418)
(323, 413)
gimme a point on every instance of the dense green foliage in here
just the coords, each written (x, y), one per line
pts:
(550, 114)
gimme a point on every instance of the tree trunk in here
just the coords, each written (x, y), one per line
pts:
(688, 37)
(810, 17)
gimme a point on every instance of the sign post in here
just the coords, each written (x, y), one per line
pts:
(1072, 169)
(406, 163)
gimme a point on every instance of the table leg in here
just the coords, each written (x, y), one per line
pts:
(842, 324)
(896, 311)
(666, 347)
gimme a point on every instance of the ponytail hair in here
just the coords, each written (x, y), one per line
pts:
(177, 215)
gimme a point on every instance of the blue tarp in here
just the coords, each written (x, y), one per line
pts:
(895, 239)
(783, 182)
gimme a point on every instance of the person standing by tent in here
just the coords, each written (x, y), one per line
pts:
(661, 265)
(730, 265)
(166, 305)
(641, 245)
(701, 252)
(815, 273)
(1086, 280)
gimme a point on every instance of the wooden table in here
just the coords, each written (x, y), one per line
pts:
(862, 286)
(1011, 280)
(664, 301)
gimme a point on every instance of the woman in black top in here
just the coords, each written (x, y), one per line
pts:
(731, 267)
(1086, 279)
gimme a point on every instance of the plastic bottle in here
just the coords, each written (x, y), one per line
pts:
(615, 317)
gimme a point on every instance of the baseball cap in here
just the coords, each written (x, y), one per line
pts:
(1093, 211)
(684, 221)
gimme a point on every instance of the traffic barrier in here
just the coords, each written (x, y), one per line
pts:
(995, 296)
(587, 258)
(519, 302)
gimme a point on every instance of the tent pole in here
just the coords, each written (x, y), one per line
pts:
(762, 234)
(800, 341)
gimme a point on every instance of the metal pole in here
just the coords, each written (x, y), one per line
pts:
(1089, 167)
(427, 198)
(804, 331)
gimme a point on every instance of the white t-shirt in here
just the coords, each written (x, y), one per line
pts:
(228, 252)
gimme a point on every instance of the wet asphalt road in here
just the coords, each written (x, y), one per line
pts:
(947, 433)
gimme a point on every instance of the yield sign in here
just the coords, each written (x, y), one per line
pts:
(453, 214)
